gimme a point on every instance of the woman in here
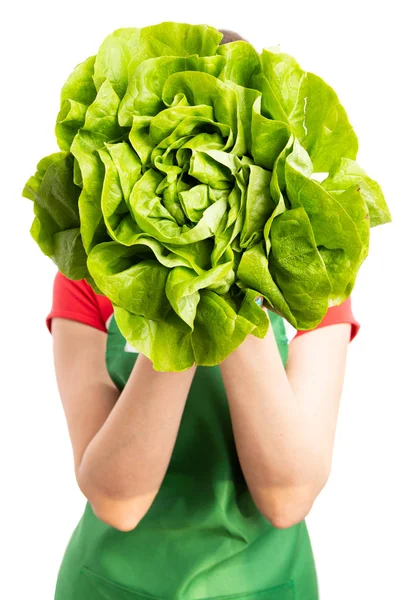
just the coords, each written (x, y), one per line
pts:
(197, 482)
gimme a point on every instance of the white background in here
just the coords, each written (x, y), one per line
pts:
(354, 525)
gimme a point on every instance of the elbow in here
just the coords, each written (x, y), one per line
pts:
(287, 519)
(116, 515)
(289, 507)
(121, 513)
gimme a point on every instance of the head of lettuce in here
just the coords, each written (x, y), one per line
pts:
(188, 182)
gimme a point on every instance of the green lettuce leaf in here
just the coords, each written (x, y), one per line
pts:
(187, 184)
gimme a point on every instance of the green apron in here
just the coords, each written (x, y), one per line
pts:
(203, 537)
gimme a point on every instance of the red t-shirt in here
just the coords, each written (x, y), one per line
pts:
(76, 300)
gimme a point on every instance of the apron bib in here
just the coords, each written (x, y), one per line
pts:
(203, 537)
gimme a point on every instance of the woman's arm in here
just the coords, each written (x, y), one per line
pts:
(284, 421)
(122, 441)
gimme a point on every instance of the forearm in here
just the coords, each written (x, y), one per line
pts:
(126, 461)
(275, 441)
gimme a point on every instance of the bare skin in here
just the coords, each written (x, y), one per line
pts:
(121, 449)
(283, 421)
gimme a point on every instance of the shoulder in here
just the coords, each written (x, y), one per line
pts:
(342, 313)
(75, 299)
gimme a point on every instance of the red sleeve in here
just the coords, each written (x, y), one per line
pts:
(76, 300)
(338, 314)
